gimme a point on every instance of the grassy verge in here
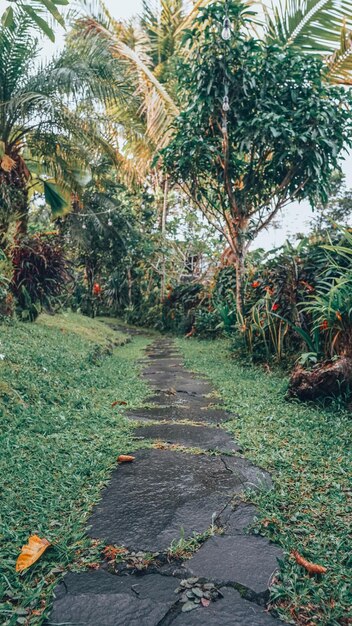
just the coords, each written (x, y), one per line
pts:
(59, 440)
(306, 449)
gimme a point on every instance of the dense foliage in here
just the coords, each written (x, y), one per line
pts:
(268, 130)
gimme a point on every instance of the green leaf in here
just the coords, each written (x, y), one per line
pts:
(56, 198)
(42, 24)
(2, 149)
(7, 18)
(49, 4)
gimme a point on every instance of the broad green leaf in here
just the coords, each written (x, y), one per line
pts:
(57, 198)
(42, 24)
(54, 11)
(7, 18)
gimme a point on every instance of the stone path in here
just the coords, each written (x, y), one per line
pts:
(187, 486)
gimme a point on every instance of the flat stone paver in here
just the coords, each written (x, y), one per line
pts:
(246, 560)
(236, 521)
(183, 398)
(180, 413)
(203, 437)
(147, 503)
(101, 599)
(231, 610)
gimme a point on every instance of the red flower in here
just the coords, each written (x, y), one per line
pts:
(324, 325)
(96, 289)
(275, 306)
(256, 284)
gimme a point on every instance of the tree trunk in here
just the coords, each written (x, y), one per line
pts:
(15, 177)
(239, 284)
(129, 282)
(328, 379)
(163, 233)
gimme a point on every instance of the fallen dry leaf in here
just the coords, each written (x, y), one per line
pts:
(31, 552)
(111, 552)
(312, 568)
(119, 403)
(125, 458)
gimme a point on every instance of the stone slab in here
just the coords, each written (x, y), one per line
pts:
(181, 384)
(162, 354)
(236, 521)
(148, 503)
(231, 610)
(101, 599)
(204, 437)
(246, 560)
(163, 363)
(175, 413)
(183, 398)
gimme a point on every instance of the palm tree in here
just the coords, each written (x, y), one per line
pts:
(51, 120)
(149, 47)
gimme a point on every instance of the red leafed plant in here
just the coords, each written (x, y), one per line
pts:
(40, 273)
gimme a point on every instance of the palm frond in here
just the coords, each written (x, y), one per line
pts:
(158, 106)
(309, 25)
(339, 64)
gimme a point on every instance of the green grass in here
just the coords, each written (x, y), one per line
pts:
(60, 438)
(307, 451)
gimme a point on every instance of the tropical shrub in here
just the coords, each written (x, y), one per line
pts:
(330, 306)
(181, 305)
(40, 274)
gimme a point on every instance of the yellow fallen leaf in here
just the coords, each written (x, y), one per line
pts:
(31, 552)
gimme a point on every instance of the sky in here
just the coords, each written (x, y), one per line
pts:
(296, 217)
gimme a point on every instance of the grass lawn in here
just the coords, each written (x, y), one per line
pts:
(306, 449)
(59, 441)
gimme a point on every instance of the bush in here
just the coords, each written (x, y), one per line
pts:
(40, 274)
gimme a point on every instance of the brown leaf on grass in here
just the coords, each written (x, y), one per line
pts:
(125, 458)
(312, 568)
(118, 403)
(31, 552)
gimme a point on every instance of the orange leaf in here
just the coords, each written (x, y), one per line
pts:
(31, 552)
(312, 568)
(111, 552)
(125, 458)
(118, 403)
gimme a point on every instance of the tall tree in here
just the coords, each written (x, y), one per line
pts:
(46, 140)
(260, 127)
